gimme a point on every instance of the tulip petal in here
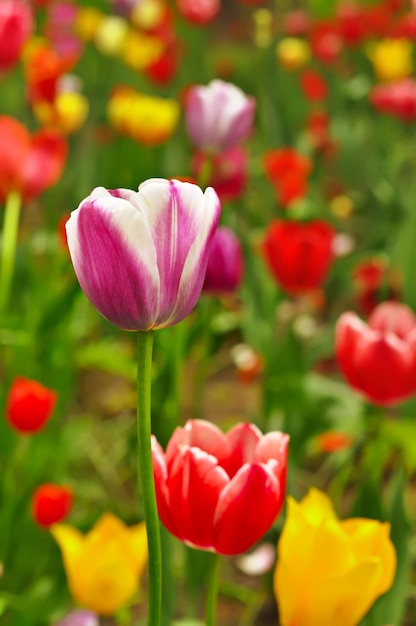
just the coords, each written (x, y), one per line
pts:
(243, 439)
(70, 541)
(162, 492)
(182, 224)
(114, 259)
(246, 509)
(195, 484)
(15, 145)
(44, 164)
(138, 542)
(200, 434)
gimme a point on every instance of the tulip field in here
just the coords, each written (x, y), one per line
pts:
(208, 313)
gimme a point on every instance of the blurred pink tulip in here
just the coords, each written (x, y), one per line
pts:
(199, 12)
(225, 263)
(218, 116)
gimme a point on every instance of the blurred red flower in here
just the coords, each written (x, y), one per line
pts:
(206, 484)
(317, 125)
(51, 504)
(229, 172)
(29, 405)
(29, 164)
(325, 40)
(378, 359)
(16, 24)
(287, 170)
(351, 24)
(299, 254)
(313, 85)
(397, 98)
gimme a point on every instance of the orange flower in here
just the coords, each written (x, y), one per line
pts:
(331, 441)
(29, 164)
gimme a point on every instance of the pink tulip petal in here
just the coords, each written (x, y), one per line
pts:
(243, 439)
(162, 492)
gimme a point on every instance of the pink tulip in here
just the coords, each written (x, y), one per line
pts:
(140, 257)
(378, 359)
(225, 263)
(218, 116)
(220, 492)
(199, 12)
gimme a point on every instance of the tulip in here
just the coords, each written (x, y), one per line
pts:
(293, 53)
(392, 59)
(397, 98)
(29, 164)
(287, 170)
(141, 257)
(29, 405)
(79, 617)
(206, 484)
(16, 24)
(299, 255)
(313, 86)
(378, 359)
(325, 40)
(198, 12)
(51, 504)
(103, 567)
(218, 116)
(150, 120)
(330, 572)
(225, 263)
(228, 173)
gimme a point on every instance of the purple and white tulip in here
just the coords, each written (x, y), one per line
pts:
(218, 116)
(79, 617)
(141, 257)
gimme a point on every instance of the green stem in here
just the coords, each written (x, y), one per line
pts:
(212, 591)
(8, 251)
(144, 375)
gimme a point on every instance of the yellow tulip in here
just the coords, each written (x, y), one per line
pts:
(147, 119)
(139, 51)
(293, 53)
(330, 572)
(111, 35)
(66, 114)
(88, 22)
(392, 59)
(103, 567)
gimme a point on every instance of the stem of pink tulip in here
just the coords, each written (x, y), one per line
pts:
(212, 591)
(8, 249)
(144, 379)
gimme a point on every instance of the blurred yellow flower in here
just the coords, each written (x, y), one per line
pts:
(392, 59)
(87, 22)
(67, 113)
(147, 119)
(330, 572)
(148, 14)
(111, 35)
(103, 567)
(139, 51)
(293, 53)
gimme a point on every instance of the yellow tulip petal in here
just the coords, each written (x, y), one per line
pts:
(138, 538)
(70, 541)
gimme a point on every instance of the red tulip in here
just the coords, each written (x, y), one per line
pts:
(28, 164)
(51, 504)
(325, 40)
(313, 86)
(29, 405)
(378, 359)
(298, 254)
(229, 172)
(287, 170)
(351, 23)
(220, 492)
(397, 98)
(16, 24)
